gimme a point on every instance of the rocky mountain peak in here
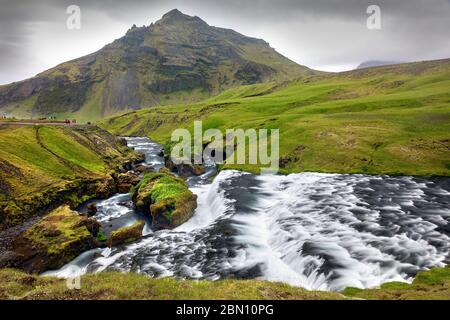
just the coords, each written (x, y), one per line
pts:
(178, 59)
(176, 15)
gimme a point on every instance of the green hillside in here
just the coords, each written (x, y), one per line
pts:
(43, 166)
(385, 120)
(178, 59)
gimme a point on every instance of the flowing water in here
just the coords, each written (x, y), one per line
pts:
(317, 231)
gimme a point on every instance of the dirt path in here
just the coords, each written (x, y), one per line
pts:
(20, 123)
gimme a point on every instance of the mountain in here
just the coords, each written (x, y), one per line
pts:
(178, 59)
(376, 63)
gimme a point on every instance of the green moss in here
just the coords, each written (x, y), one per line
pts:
(101, 236)
(170, 201)
(57, 230)
(126, 234)
(55, 240)
(160, 186)
(434, 276)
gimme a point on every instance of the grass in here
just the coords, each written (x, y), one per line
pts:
(388, 120)
(66, 147)
(106, 286)
(428, 285)
(433, 284)
(44, 165)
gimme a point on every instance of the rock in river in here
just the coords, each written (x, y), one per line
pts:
(166, 197)
(126, 234)
(54, 240)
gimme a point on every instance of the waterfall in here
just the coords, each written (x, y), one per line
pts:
(313, 230)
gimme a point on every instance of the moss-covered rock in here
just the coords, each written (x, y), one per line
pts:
(54, 240)
(166, 197)
(125, 181)
(185, 170)
(16, 211)
(92, 209)
(106, 188)
(126, 234)
(140, 168)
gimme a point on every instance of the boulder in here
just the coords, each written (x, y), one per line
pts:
(123, 141)
(127, 166)
(166, 197)
(185, 170)
(126, 180)
(91, 209)
(126, 234)
(140, 168)
(106, 188)
(10, 259)
(55, 240)
(139, 157)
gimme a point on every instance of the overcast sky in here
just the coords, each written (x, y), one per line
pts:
(327, 35)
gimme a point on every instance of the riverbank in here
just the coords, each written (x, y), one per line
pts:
(434, 284)
(45, 166)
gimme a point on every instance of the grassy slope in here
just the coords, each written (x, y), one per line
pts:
(433, 284)
(18, 285)
(37, 161)
(386, 120)
(428, 285)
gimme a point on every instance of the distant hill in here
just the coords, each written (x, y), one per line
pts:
(178, 59)
(376, 63)
(384, 120)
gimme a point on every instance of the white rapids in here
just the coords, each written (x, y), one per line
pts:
(313, 230)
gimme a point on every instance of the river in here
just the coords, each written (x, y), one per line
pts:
(313, 230)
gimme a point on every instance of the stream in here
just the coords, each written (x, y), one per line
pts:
(312, 230)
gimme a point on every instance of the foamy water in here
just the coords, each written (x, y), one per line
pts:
(328, 232)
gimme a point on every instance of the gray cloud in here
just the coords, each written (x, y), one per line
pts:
(328, 35)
